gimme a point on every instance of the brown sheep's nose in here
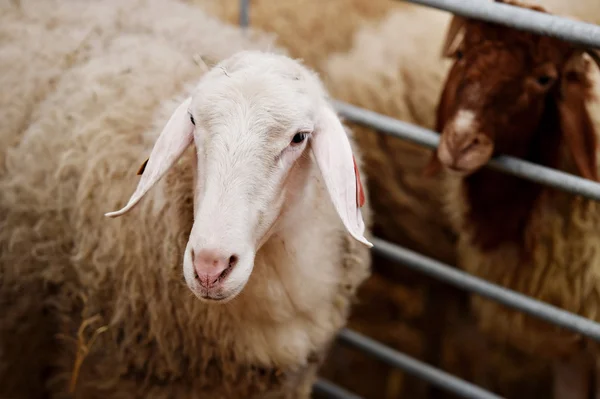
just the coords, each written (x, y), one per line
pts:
(212, 266)
(464, 152)
(462, 143)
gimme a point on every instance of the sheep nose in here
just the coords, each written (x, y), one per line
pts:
(461, 143)
(464, 151)
(212, 266)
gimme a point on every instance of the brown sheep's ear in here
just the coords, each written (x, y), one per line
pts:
(577, 127)
(594, 55)
(451, 43)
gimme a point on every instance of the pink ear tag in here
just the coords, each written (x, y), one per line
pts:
(360, 194)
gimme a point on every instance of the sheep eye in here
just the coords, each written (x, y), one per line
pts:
(192, 119)
(459, 55)
(544, 80)
(299, 138)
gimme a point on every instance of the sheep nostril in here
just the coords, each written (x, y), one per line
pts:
(469, 145)
(233, 260)
(193, 255)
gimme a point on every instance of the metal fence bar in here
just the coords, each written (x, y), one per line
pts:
(415, 367)
(429, 138)
(577, 32)
(244, 13)
(330, 390)
(505, 296)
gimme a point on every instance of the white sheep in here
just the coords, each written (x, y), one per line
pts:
(268, 191)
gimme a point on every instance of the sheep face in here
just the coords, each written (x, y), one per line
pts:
(512, 92)
(252, 120)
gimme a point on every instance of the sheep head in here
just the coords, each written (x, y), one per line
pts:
(253, 119)
(506, 92)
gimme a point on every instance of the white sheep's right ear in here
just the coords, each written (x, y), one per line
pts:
(333, 153)
(174, 139)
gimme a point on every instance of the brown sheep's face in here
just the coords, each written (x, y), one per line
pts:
(515, 93)
(501, 83)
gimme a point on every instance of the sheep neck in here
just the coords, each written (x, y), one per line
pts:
(500, 206)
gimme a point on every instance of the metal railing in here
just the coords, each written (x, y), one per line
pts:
(413, 366)
(429, 138)
(577, 32)
(479, 286)
(326, 388)
(244, 13)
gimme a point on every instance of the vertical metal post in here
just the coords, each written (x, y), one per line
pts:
(244, 13)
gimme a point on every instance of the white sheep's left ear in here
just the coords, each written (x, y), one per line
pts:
(174, 139)
(333, 153)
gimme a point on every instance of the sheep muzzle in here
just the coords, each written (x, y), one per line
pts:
(463, 148)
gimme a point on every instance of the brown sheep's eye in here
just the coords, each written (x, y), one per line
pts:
(299, 138)
(544, 80)
(459, 55)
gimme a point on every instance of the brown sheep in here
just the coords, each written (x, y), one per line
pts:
(525, 95)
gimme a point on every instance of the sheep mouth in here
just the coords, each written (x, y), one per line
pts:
(464, 167)
(455, 169)
(216, 296)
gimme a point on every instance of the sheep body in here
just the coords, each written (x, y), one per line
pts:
(69, 154)
(533, 239)
(563, 270)
(394, 68)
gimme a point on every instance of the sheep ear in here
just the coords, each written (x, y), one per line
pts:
(594, 55)
(577, 127)
(454, 29)
(174, 139)
(333, 153)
